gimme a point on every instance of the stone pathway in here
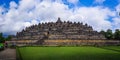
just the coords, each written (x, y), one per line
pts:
(8, 54)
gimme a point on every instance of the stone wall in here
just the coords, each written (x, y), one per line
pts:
(64, 42)
(80, 42)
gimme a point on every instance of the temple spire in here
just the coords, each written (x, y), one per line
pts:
(59, 20)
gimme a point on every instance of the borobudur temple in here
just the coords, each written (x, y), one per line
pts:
(58, 33)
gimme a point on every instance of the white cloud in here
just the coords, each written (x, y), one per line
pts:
(118, 8)
(99, 1)
(13, 4)
(116, 23)
(73, 1)
(116, 19)
(1, 9)
(96, 16)
(30, 12)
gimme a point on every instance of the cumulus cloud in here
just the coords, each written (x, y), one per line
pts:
(73, 1)
(96, 16)
(13, 4)
(30, 12)
(116, 19)
(99, 1)
(118, 8)
(116, 23)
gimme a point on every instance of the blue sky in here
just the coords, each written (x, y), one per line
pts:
(18, 14)
(107, 3)
(5, 3)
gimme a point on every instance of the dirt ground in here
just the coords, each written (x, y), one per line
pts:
(8, 54)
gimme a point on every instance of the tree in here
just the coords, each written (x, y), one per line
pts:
(102, 32)
(1, 38)
(109, 34)
(117, 34)
(8, 38)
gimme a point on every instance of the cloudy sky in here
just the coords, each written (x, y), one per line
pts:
(15, 15)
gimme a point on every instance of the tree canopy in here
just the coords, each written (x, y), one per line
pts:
(110, 35)
(117, 34)
(3, 39)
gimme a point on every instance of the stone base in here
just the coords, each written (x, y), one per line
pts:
(80, 42)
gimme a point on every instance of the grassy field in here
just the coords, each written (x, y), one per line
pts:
(1, 46)
(69, 53)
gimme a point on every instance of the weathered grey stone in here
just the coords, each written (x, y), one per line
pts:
(59, 30)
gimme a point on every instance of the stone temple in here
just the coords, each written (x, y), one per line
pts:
(59, 33)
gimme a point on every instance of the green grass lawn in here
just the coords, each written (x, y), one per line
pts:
(1, 45)
(69, 53)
